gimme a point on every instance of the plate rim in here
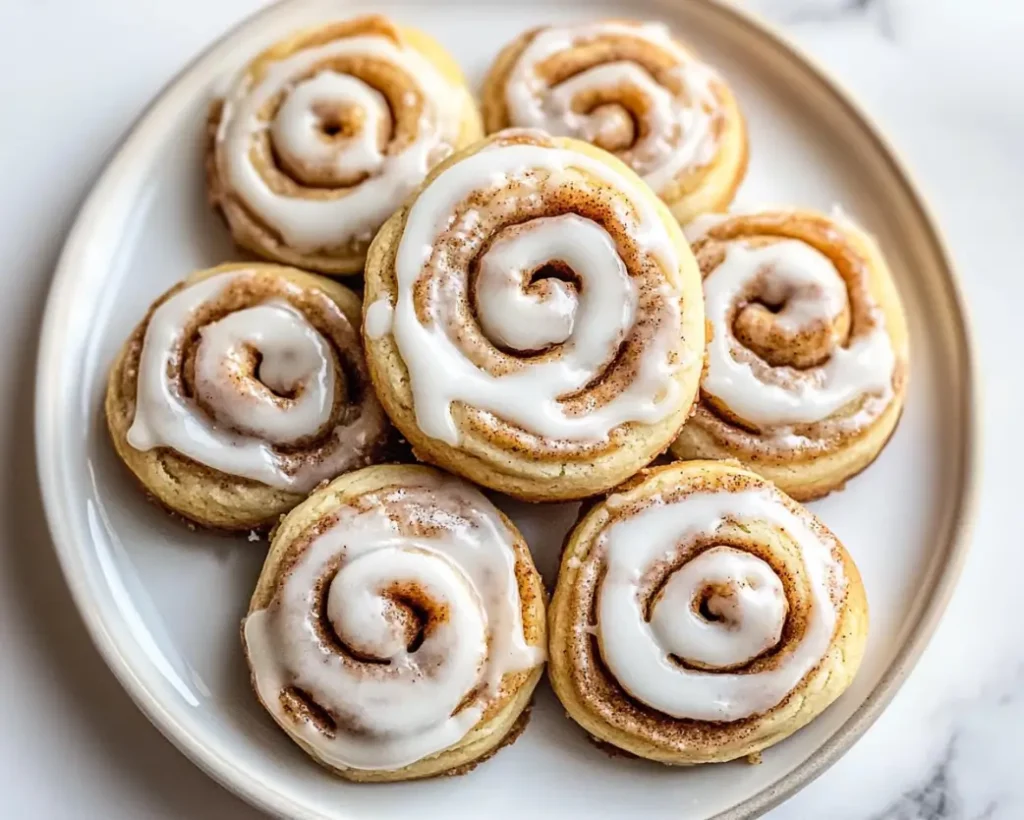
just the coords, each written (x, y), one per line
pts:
(222, 768)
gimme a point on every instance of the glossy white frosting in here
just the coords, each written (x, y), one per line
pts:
(756, 602)
(404, 704)
(678, 125)
(295, 359)
(515, 315)
(641, 653)
(379, 316)
(381, 179)
(237, 417)
(812, 294)
(587, 323)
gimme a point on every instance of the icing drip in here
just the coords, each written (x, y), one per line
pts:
(748, 606)
(580, 321)
(379, 316)
(394, 701)
(240, 412)
(677, 119)
(381, 178)
(812, 295)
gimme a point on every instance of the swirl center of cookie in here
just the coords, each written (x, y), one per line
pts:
(325, 143)
(288, 395)
(562, 256)
(390, 603)
(331, 129)
(398, 621)
(630, 89)
(722, 609)
(780, 353)
(696, 654)
(521, 311)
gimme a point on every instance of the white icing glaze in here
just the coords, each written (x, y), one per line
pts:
(379, 317)
(752, 614)
(814, 292)
(637, 652)
(513, 314)
(677, 133)
(248, 418)
(295, 359)
(298, 138)
(316, 223)
(602, 313)
(404, 709)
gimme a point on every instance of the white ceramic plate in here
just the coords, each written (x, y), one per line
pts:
(164, 603)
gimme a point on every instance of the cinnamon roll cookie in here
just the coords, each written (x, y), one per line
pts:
(632, 89)
(534, 320)
(243, 388)
(326, 132)
(807, 361)
(397, 630)
(701, 615)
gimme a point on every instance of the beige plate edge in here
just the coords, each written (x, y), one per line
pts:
(954, 539)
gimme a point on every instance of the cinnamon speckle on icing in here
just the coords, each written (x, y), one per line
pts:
(299, 412)
(416, 619)
(566, 360)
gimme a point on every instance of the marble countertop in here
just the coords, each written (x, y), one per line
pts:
(946, 80)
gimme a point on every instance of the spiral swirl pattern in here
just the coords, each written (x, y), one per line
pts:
(324, 135)
(257, 373)
(808, 347)
(719, 609)
(391, 621)
(535, 293)
(693, 605)
(628, 88)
